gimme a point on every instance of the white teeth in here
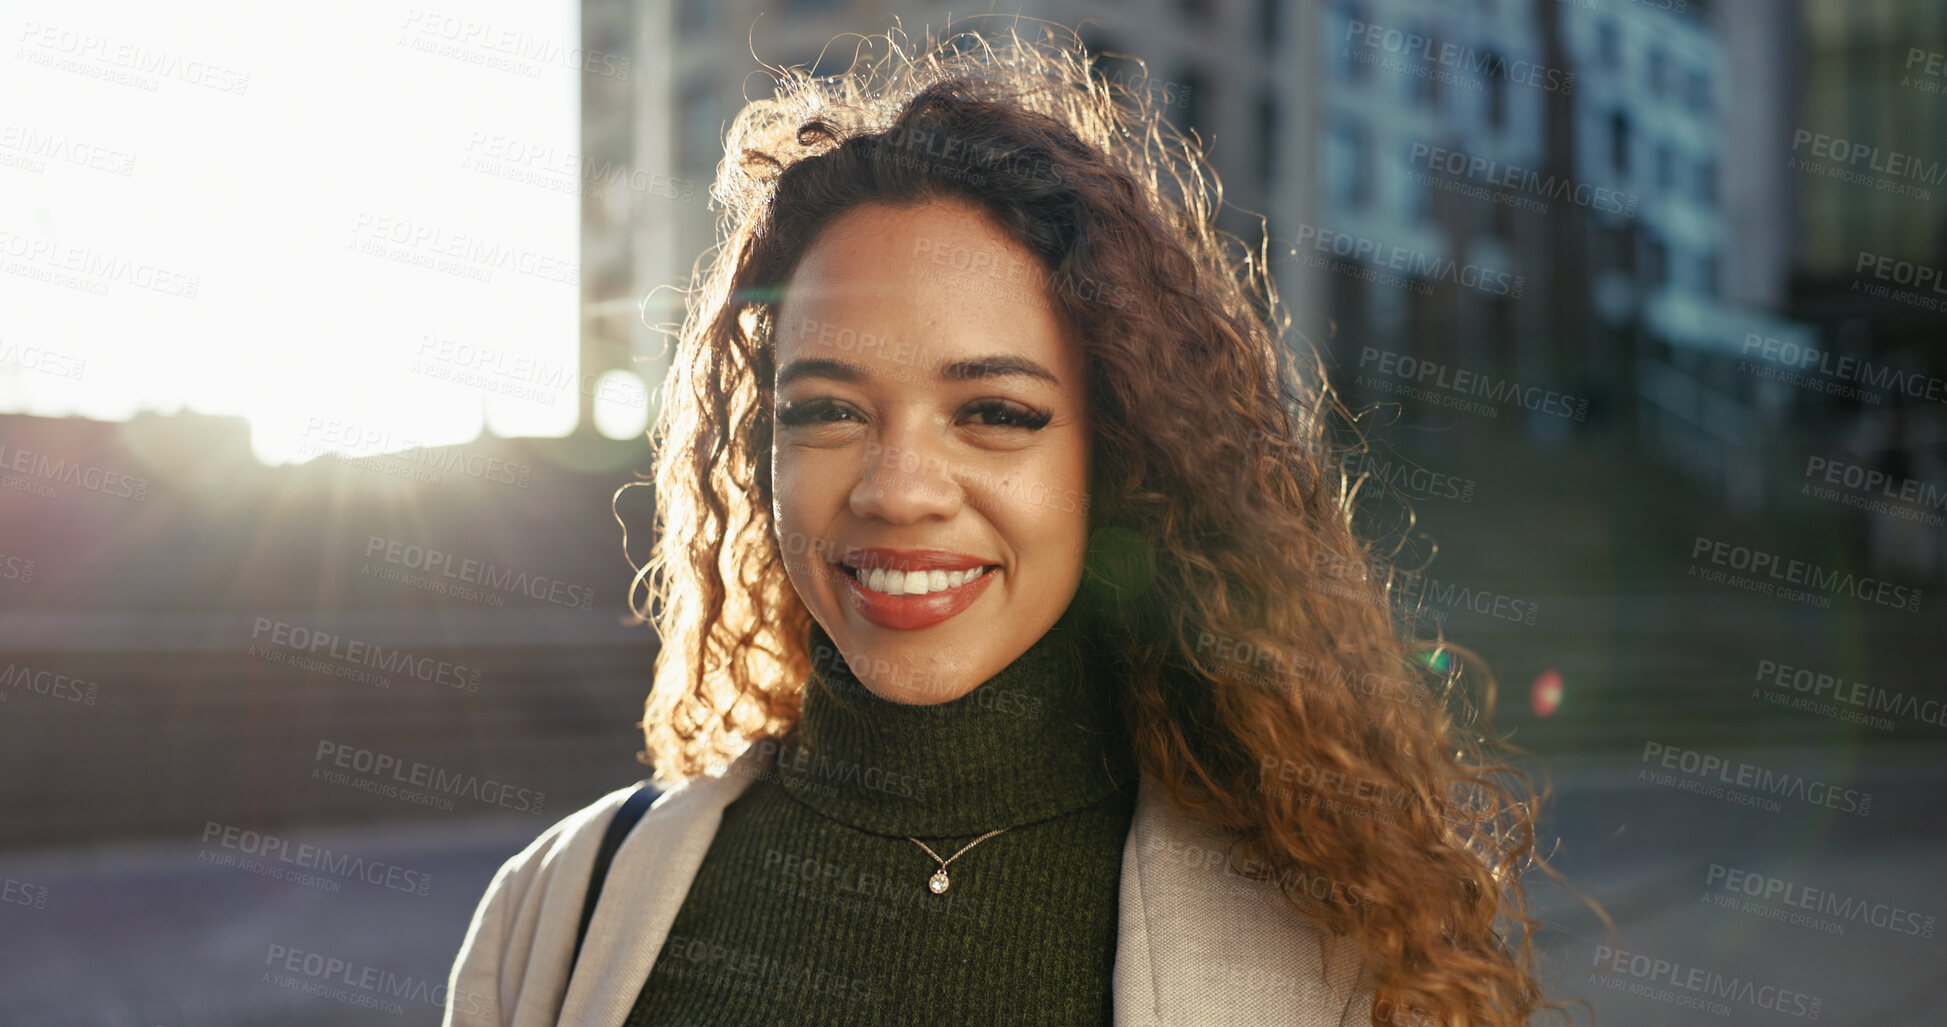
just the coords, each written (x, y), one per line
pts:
(915, 583)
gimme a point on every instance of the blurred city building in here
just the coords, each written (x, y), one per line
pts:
(1869, 167)
(1591, 201)
(1221, 70)
(1671, 105)
(1588, 153)
(613, 197)
(1418, 256)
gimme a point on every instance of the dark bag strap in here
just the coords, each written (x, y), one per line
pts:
(618, 828)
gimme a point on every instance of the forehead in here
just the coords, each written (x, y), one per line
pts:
(892, 285)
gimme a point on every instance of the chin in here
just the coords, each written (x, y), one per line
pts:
(937, 664)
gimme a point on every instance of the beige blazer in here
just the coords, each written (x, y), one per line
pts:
(1195, 944)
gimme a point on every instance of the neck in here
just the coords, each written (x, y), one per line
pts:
(1037, 740)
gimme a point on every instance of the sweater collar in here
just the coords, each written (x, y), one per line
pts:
(1035, 741)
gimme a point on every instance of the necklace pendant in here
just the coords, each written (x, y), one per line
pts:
(938, 883)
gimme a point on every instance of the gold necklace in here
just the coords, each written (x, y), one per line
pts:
(938, 882)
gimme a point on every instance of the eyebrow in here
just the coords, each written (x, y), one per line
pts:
(973, 369)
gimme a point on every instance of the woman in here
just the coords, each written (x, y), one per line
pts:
(1020, 662)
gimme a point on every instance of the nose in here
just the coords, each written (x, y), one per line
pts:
(906, 477)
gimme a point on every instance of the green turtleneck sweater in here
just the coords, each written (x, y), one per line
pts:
(812, 905)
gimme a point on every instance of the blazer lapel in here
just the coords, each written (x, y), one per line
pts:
(659, 859)
(1198, 943)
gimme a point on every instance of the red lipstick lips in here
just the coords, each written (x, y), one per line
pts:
(912, 612)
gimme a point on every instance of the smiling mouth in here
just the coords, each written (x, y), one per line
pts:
(914, 583)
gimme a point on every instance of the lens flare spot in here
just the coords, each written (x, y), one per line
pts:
(1547, 693)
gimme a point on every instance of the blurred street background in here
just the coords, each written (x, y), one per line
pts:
(326, 345)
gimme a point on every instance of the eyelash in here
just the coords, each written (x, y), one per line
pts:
(1022, 415)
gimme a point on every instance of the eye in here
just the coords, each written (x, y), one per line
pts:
(1002, 413)
(823, 410)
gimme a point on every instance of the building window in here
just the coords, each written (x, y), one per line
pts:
(1108, 66)
(1501, 329)
(1497, 90)
(1706, 191)
(1194, 103)
(1619, 143)
(1348, 312)
(1699, 90)
(694, 16)
(1270, 23)
(1418, 195)
(699, 141)
(1709, 275)
(1656, 262)
(1608, 45)
(1426, 87)
(1348, 164)
(1343, 50)
(828, 62)
(1615, 248)
(1267, 137)
(1127, 80)
(1666, 169)
(1659, 71)
(1504, 222)
(1426, 336)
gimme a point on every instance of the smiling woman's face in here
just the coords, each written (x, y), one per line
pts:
(931, 437)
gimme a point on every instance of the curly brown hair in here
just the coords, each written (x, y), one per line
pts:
(1251, 627)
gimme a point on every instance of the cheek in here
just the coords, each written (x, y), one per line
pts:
(1046, 516)
(807, 493)
(787, 485)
